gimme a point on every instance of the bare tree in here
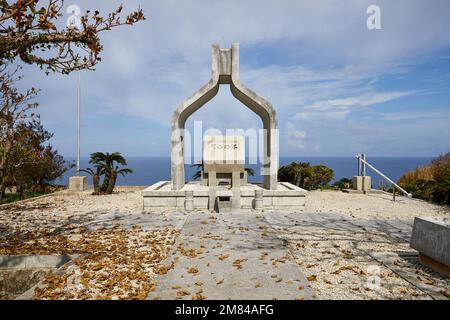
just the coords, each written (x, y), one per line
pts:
(29, 32)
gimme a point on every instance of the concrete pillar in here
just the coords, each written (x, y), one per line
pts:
(236, 198)
(259, 199)
(236, 179)
(244, 180)
(212, 179)
(362, 183)
(212, 198)
(203, 180)
(78, 183)
(189, 200)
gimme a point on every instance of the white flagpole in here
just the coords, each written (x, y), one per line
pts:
(78, 125)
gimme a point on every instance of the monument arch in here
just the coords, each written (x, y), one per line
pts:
(225, 70)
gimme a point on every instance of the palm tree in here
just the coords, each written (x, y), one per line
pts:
(105, 164)
(113, 177)
(250, 172)
(95, 176)
(106, 161)
(197, 175)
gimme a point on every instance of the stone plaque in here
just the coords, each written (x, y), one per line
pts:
(224, 150)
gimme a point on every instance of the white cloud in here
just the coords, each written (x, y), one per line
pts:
(330, 116)
(359, 101)
(315, 61)
(416, 115)
(295, 139)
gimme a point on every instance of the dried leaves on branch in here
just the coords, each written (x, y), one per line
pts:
(30, 30)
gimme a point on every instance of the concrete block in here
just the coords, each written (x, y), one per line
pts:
(224, 204)
(247, 202)
(236, 179)
(78, 183)
(161, 202)
(212, 179)
(236, 198)
(195, 196)
(244, 180)
(201, 202)
(223, 150)
(431, 237)
(189, 200)
(259, 199)
(362, 183)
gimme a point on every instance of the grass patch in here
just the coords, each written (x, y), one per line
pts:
(14, 197)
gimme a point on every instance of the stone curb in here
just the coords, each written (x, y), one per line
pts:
(6, 205)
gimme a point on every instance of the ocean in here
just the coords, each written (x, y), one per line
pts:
(148, 170)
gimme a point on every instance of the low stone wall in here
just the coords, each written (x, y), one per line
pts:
(160, 197)
(21, 272)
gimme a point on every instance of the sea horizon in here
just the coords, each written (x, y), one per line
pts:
(148, 170)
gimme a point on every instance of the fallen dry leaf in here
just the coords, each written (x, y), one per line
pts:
(193, 270)
(223, 257)
(312, 277)
(238, 263)
(183, 293)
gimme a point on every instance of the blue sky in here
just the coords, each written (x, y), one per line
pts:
(338, 87)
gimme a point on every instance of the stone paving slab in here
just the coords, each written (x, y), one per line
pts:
(145, 221)
(306, 223)
(383, 242)
(407, 272)
(230, 256)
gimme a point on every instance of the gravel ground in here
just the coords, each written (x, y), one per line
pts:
(347, 258)
(378, 206)
(118, 259)
(339, 241)
(52, 212)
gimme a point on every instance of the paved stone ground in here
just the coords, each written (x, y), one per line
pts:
(230, 256)
(279, 255)
(338, 252)
(268, 256)
(148, 221)
(304, 223)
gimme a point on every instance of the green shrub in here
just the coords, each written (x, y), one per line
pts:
(344, 183)
(420, 173)
(421, 189)
(13, 197)
(305, 176)
(441, 192)
(430, 183)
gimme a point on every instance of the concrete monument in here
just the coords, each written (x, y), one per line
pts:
(223, 186)
(223, 161)
(225, 71)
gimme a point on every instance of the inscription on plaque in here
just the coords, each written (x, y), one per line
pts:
(224, 149)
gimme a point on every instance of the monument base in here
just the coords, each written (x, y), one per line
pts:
(431, 237)
(435, 265)
(362, 183)
(77, 183)
(160, 196)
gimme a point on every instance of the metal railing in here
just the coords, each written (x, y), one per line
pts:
(362, 163)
